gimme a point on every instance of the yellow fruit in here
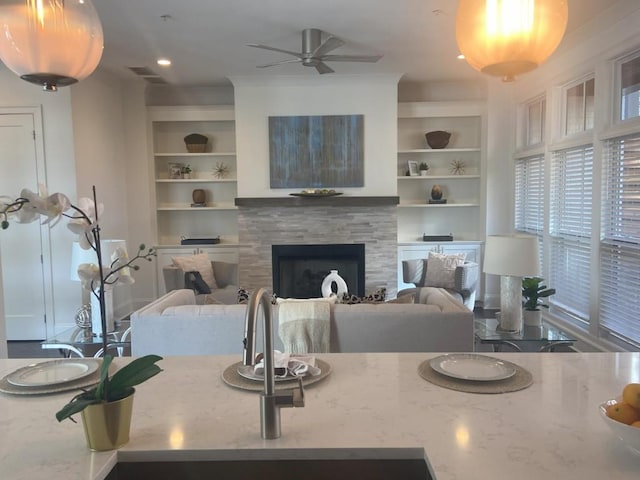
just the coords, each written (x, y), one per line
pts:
(631, 394)
(623, 412)
(636, 424)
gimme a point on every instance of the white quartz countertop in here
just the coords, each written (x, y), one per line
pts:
(370, 401)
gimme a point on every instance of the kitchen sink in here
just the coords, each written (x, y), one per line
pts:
(277, 465)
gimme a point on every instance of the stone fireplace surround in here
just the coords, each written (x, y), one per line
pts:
(263, 222)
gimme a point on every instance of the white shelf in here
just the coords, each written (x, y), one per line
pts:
(205, 154)
(439, 150)
(437, 205)
(437, 177)
(196, 180)
(188, 208)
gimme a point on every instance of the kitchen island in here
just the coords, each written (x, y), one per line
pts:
(369, 402)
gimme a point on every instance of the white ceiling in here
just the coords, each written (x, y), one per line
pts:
(206, 39)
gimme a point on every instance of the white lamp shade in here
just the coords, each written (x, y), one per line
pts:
(80, 256)
(512, 254)
(50, 42)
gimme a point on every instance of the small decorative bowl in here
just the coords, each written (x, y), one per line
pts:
(196, 143)
(630, 436)
(437, 138)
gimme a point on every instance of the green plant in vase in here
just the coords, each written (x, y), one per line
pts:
(424, 168)
(533, 291)
(111, 398)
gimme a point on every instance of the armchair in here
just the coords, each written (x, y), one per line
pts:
(226, 275)
(465, 279)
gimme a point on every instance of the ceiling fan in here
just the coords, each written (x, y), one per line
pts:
(314, 52)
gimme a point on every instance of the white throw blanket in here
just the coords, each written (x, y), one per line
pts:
(304, 325)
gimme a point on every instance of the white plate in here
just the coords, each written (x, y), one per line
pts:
(468, 366)
(53, 372)
(246, 371)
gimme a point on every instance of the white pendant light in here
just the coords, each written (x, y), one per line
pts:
(506, 38)
(50, 42)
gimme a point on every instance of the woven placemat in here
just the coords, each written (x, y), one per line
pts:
(520, 380)
(231, 377)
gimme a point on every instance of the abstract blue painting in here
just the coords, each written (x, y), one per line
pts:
(318, 151)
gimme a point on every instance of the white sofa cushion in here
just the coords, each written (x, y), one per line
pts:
(441, 269)
(197, 263)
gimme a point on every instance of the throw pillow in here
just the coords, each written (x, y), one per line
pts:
(377, 296)
(441, 269)
(197, 263)
(244, 294)
(194, 281)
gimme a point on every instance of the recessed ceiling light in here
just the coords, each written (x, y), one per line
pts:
(164, 62)
(460, 57)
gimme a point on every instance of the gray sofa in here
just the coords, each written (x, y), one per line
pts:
(466, 279)
(226, 275)
(175, 325)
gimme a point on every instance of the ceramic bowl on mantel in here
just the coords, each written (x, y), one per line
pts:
(437, 139)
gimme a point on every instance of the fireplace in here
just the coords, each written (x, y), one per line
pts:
(298, 270)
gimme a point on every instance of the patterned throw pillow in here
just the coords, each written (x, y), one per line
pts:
(197, 263)
(376, 297)
(244, 294)
(441, 269)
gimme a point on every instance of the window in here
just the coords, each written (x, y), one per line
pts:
(535, 113)
(570, 230)
(529, 209)
(579, 103)
(630, 89)
(620, 239)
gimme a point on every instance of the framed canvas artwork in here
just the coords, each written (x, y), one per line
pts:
(321, 151)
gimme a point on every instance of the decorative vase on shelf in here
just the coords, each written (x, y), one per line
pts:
(333, 277)
(199, 196)
(437, 139)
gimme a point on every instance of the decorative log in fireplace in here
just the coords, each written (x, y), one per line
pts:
(298, 270)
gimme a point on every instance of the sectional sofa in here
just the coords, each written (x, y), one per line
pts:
(175, 325)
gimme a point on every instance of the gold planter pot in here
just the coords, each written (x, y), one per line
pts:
(107, 425)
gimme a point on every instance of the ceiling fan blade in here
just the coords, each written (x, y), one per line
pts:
(323, 68)
(293, 60)
(352, 58)
(328, 45)
(267, 47)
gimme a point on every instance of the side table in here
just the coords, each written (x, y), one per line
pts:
(545, 338)
(81, 342)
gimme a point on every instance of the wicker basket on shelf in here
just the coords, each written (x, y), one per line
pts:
(196, 143)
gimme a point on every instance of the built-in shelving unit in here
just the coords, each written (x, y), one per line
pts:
(175, 217)
(463, 214)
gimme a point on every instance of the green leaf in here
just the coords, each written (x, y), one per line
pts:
(76, 405)
(134, 373)
(104, 376)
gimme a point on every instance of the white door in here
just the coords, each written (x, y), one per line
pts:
(21, 245)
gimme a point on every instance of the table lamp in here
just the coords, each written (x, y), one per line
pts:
(80, 256)
(511, 256)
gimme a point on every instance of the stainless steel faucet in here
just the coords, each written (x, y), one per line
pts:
(270, 401)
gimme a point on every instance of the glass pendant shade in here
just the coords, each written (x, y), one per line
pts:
(50, 42)
(506, 38)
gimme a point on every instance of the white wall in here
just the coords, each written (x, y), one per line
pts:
(60, 177)
(110, 143)
(375, 97)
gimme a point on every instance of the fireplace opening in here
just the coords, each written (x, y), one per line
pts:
(298, 270)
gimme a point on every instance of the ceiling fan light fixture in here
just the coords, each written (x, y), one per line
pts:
(50, 42)
(505, 38)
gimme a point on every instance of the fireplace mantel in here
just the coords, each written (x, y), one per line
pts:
(329, 201)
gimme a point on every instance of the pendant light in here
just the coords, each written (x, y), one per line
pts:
(50, 42)
(506, 38)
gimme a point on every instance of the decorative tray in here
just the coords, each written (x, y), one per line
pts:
(327, 194)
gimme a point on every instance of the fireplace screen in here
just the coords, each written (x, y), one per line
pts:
(298, 270)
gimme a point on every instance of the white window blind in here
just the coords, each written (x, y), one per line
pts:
(620, 239)
(571, 229)
(529, 201)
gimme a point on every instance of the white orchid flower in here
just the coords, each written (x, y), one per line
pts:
(118, 258)
(82, 226)
(50, 206)
(89, 275)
